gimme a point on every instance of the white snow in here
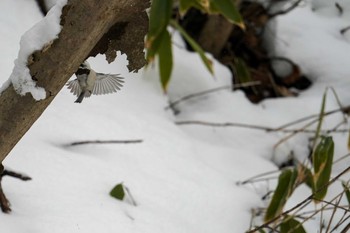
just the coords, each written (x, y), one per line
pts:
(40, 35)
(183, 177)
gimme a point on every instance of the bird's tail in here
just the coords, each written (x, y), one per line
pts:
(80, 98)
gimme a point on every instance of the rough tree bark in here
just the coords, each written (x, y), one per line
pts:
(89, 27)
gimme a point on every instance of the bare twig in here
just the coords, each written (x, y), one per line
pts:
(172, 104)
(15, 175)
(285, 11)
(336, 206)
(132, 199)
(345, 109)
(341, 158)
(339, 7)
(4, 203)
(269, 129)
(339, 103)
(106, 142)
(340, 222)
(227, 124)
(346, 229)
(342, 31)
(226, 87)
(321, 210)
(258, 127)
(301, 215)
(294, 133)
(331, 203)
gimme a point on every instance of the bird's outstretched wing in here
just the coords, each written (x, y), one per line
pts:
(107, 83)
(74, 87)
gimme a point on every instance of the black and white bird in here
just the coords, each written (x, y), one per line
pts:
(89, 82)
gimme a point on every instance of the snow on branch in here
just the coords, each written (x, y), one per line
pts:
(39, 37)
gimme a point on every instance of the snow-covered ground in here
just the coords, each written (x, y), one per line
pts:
(182, 177)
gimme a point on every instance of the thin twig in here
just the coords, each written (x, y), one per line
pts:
(172, 104)
(285, 11)
(322, 220)
(4, 202)
(344, 109)
(342, 31)
(336, 128)
(15, 175)
(339, 103)
(339, 7)
(227, 124)
(331, 204)
(248, 84)
(106, 142)
(346, 229)
(313, 211)
(336, 206)
(306, 200)
(269, 129)
(132, 199)
(257, 176)
(262, 179)
(341, 158)
(294, 133)
(339, 223)
(257, 127)
(345, 220)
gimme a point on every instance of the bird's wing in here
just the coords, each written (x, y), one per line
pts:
(74, 87)
(107, 83)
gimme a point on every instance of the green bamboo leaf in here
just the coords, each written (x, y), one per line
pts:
(347, 191)
(159, 18)
(228, 9)
(322, 163)
(165, 60)
(290, 225)
(118, 192)
(207, 62)
(320, 118)
(153, 48)
(285, 188)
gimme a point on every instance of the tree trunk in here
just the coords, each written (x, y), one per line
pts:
(85, 30)
(215, 34)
